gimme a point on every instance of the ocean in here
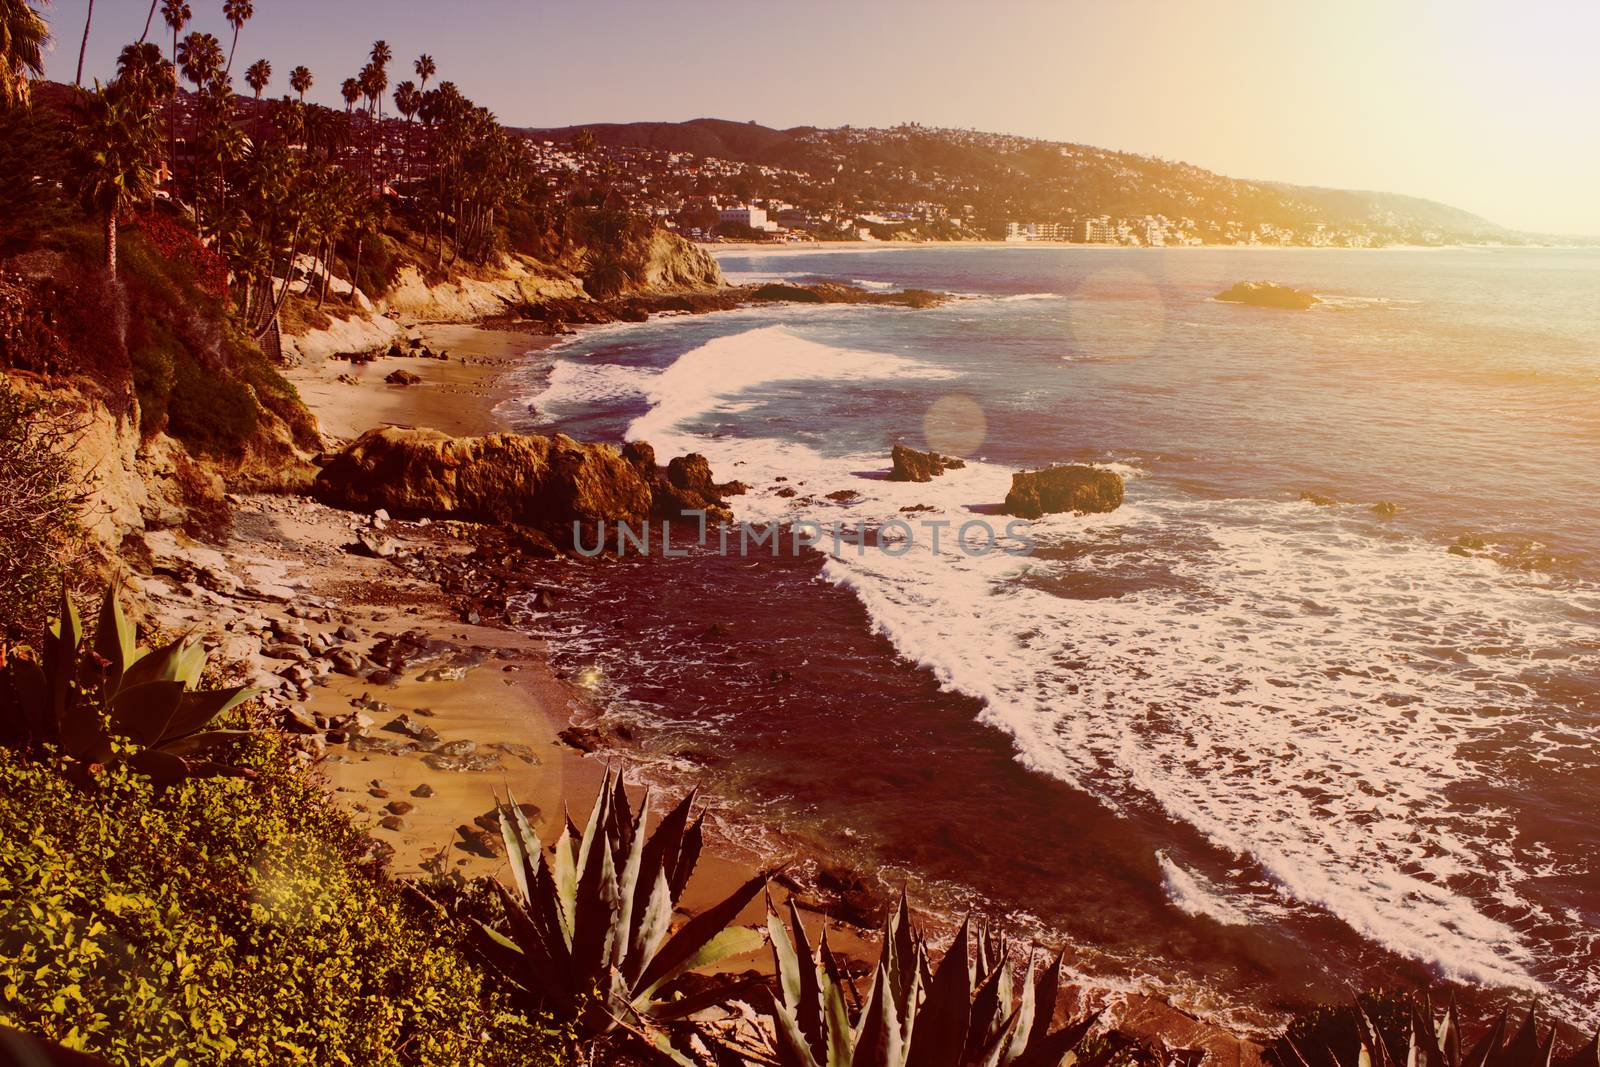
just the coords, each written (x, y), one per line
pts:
(1228, 745)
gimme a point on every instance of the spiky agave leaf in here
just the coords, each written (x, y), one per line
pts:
(596, 917)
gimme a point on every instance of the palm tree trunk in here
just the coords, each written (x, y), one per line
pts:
(355, 271)
(84, 47)
(326, 274)
(111, 241)
(148, 19)
(229, 68)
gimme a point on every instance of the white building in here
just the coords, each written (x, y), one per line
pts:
(753, 217)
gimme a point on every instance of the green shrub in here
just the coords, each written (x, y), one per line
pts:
(225, 920)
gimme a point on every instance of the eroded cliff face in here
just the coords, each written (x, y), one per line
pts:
(672, 264)
(658, 264)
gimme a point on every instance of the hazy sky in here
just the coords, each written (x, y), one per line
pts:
(1490, 105)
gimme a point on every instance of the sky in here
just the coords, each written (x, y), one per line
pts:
(1488, 105)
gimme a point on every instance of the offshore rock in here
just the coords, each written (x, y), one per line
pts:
(913, 466)
(1057, 489)
(1268, 295)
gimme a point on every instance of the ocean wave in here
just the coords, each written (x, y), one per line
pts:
(1193, 895)
(701, 380)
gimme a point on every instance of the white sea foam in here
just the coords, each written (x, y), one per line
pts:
(1193, 895)
(1016, 298)
(698, 382)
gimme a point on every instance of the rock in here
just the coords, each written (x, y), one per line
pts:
(417, 731)
(1318, 499)
(583, 738)
(392, 822)
(348, 633)
(374, 544)
(544, 482)
(642, 455)
(296, 719)
(385, 746)
(689, 489)
(424, 791)
(399, 807)
(346, 661)
(402, 377)
(909, 465)
(520, 751)
(843, 496)
(1268, 295)
(283, 650)
(1386, 509)
(375, 853)
(444, 674)
(481, 842)
(1058, 489)
(470, 761)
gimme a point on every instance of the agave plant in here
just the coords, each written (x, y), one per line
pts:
(965, 1013)
(1417, 1036)
(589, 936)
(84, 704)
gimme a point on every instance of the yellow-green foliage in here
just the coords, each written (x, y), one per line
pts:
(225, 921)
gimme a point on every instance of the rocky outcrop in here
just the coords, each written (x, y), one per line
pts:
(686, 488)
(542, 482)
(913, 466)
(1268, 295)
(672, 264)
(834, 293)
(526, 481)
(1058, 489)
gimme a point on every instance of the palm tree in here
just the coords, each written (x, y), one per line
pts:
(145, 73)
(425, 69)
(113, 157)
(149, 19)
(200, 58)
(23, 37)
(176, 14)
(300, 81)
(257, 75)
(84, 47)
(351, 91)
(407, 99)
(237, 12)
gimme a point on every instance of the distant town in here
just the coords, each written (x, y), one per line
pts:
(751, 183)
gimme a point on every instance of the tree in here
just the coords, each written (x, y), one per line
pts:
(176, 14)
(113, 159)
(84, 47)
(237, 12)
(146, 73)
(200, 58)
(32, 175)
(300, 81)
(23, 38)
(149, 20)
(257, 76)
(351, 91)
(425, 69)
(407, 99)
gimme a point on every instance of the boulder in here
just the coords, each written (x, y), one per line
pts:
(1056, 489)
(543, 482)
(402, 377)
(913, 466)
(1268, 295)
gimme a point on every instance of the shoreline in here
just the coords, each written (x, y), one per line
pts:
(514, 705)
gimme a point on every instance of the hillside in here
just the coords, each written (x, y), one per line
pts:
(991, 179)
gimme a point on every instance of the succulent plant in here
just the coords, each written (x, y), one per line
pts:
(588, 934)
(966, 1012)
(84, 703)
(1417, 1036)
